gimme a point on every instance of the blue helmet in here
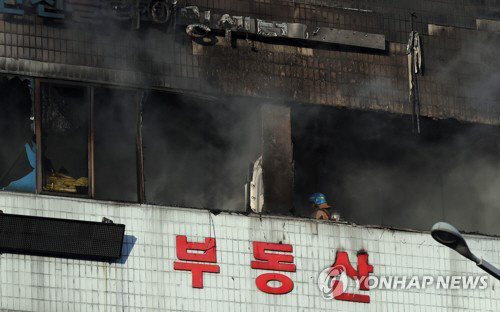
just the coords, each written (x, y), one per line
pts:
(317, 199)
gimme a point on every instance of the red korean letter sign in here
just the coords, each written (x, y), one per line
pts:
(273, 261)
(342, 264)
(208, 254)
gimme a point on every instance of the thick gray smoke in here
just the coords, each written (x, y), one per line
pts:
(197, 153)
(455, 180)
(374, 170)
(196, 150)
(150, 51)
(472, 71)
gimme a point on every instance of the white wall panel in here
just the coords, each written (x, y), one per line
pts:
(148, 282)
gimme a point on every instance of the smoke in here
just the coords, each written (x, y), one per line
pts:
(151, 55)
(372, 170)
(471, 71)
(197, 152)
(380, 93)
(449, 183)
(376, 171)
(115, 151)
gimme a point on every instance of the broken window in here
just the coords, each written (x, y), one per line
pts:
(374, 170)
(197, 151)
(115, 148)
(65, 130)
(17, 141)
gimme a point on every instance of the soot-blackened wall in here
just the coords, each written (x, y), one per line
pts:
(458, 81)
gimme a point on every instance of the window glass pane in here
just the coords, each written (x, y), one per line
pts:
(115, 148)
(65, 111)
(17, 152)
(197, 152)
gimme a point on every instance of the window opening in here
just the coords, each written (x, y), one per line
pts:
(65, 132)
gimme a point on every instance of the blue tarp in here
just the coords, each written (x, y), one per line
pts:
(28, 182)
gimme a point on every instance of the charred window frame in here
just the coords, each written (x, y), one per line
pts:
(95, 99)
(65, 138)
(73, 117)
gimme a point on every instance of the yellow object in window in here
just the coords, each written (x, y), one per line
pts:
(59, 182)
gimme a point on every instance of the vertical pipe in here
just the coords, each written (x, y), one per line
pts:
(91, 143)
(38, 136)
(140, 158)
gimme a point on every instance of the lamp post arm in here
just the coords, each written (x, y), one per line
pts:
(488, 267)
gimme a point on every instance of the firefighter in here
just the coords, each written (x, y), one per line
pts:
(321, 209)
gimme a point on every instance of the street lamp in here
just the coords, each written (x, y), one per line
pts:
(449, 236)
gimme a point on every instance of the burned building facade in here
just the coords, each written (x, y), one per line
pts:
(157, 113)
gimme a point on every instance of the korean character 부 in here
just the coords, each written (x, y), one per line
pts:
(208, 255)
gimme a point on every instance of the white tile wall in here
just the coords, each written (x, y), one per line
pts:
(147, 281)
